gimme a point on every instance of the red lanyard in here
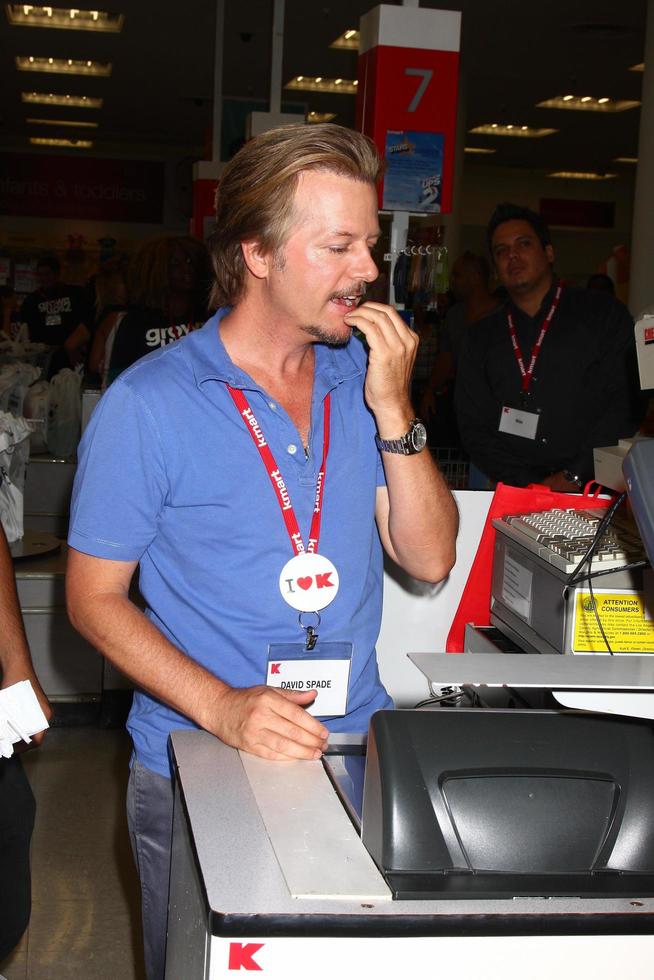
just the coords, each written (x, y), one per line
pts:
(277, 480)
(535, 351)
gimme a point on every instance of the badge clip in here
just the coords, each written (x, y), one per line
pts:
(312, 635)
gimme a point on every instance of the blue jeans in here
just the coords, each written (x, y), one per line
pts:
(150, 822)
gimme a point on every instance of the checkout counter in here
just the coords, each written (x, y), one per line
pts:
(531, 831)
(276, 867)
(269, 874)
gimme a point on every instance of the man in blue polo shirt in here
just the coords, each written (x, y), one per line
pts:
(254, 470)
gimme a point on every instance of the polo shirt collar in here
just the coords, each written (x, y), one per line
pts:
(211, 362)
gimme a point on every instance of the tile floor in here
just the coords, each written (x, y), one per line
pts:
(85, 921)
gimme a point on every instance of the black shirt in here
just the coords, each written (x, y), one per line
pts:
(52, 316)
(142, 331)
(585, 386)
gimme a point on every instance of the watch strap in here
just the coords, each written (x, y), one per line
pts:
(404, 445)
(400, 445)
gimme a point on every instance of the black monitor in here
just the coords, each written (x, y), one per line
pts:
(466, 803)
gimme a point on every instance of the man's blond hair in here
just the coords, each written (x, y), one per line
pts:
(254, 200)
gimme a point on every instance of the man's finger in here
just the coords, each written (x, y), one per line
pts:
(278, 749)
(391, 314)
(294, 722)
(378, 319)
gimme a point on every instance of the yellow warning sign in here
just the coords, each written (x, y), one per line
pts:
(625, 619)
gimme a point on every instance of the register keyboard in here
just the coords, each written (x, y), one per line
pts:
(562, 538)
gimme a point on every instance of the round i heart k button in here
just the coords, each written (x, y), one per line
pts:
(308, 582)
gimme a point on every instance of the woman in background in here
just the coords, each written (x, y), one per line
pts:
(169, 283)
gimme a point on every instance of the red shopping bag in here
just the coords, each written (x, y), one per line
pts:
(474, 606)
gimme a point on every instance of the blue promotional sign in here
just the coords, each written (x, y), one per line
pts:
(414, 171)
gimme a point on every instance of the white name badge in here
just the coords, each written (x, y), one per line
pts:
(308, 582)
(328, 677)
(518, 422)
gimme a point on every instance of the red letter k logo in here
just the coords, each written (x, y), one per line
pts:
(241, 956)
(274, 668)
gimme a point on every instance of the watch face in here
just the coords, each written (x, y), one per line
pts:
(418, 436)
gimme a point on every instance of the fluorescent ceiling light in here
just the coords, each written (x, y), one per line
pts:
(511, 129)
(581, 175)
(640, 67)
(320, 117)
(588, 103)
(77, 123)
(49, 98)
(63, 18)
(306, 83)
(625, 159)
(348, 41)
(49, 141)
(478, 149)
(63, 66)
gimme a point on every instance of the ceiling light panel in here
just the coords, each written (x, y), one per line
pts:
(625, 160)
(49, 98)
(336, 86)
(581, 175)
(320, 117)
(63, 18)
(51, 141)
(588, 103)
(511, 129)
(478, 149)
(77, 123)
(348, 41)
(63, 66)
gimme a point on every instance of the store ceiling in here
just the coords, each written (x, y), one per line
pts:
(159, 96)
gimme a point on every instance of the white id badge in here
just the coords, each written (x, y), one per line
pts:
(325, 669)
(518, 422)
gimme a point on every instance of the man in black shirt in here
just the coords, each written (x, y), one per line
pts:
(57, 314)
(550, 374)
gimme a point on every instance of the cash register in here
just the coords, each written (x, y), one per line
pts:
(478, 803)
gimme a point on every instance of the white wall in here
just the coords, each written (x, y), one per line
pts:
(417, 617)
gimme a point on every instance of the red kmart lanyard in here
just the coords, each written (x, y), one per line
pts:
(535, 351)
(277, 480)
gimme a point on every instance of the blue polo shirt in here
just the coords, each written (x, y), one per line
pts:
(169, 476)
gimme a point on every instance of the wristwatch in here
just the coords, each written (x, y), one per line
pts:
(412, 442)
(573, 478)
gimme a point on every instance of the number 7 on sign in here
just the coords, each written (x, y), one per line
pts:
(426, 74)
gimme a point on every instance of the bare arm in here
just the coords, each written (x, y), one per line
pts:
(416, 513)
(265, 721)
(75, 344)
(97, 353)
(15, 660)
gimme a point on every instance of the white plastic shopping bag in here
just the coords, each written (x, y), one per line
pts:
(37, 408)
(65, 413)
(14, 454)
(14, 382)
